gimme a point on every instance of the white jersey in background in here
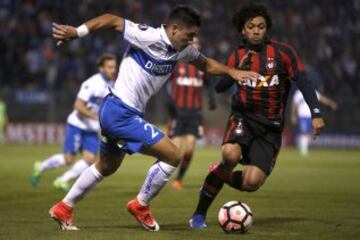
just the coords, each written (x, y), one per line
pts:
(147, 64)
(303, 110)
(92, 91)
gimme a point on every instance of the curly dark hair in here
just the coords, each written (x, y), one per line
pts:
(247, 12)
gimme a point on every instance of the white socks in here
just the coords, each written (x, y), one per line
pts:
(158, 175)
(87, 181)
(54, 161)
(303, 143)
(74, 171)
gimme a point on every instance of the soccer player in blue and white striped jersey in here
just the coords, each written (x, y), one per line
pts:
(82, 128)
(148, 63)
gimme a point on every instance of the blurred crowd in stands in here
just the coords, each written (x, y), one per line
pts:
(326, 33)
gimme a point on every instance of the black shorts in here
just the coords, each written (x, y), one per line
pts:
(259, 143)
(186, 124)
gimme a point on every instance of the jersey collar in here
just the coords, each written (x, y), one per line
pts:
(245, 44)
(166, 39)
(104, 78)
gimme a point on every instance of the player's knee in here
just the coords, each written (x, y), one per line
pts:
(251, 184)
(106, 169)
(230, 157)
(89, 158)
(70, 159)
(107, 166)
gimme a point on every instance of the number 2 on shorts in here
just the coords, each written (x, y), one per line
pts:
(154, 133)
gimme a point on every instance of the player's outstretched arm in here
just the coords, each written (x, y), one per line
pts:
(213, 67)
(62, 33)
(328, 102)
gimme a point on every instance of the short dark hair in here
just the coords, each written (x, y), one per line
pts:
(103, 58)
(248, 12)
(184, 15)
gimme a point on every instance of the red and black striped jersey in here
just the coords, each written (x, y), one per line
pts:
(186, 88)
(266, 98)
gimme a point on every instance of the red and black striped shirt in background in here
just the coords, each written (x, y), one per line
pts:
(186, 89)
(265, 99)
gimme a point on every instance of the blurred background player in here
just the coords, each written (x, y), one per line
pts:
(253, 132)
(3, 119)
(301, 116)
(145, 67)
(185, 124)
(82, 127)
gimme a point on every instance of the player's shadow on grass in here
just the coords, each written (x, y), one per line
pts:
(113, 226)
(276, 221)
(165, 227)
(175, 227)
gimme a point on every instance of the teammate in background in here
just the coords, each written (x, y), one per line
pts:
(301, 116)
(185, 126)
(253, 132)
(148, 63)
(82, 127)
(3, 119)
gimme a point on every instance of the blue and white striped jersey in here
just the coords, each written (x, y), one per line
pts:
(147, 64)
(93, 92)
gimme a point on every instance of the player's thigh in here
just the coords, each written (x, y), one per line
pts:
(111, 156)
(189, 143)
(72, 142)
(177, 140)
(111, 159)
(107, 163)
(164, 150)
(260, 160)
(126, 127)
(231, 153)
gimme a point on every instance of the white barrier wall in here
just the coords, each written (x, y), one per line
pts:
(53, 133)
(48, 133)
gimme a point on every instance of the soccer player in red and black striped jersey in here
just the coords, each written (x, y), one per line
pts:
(185, 125)
(253, 131)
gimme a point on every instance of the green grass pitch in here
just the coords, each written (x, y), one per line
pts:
(312, 198)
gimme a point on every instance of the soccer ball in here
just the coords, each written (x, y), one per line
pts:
(235, 217)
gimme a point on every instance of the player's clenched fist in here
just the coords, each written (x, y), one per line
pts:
(317, 124)
(63, 33)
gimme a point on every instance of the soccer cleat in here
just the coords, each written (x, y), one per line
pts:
(35, 176)
(61, 185)
(197, 221)
(143, 215)
(176, 184)
(63, 215)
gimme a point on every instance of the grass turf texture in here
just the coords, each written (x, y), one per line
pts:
(313, 198)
